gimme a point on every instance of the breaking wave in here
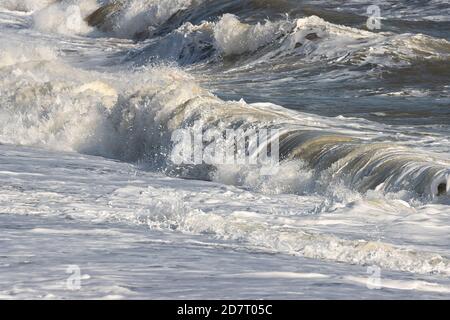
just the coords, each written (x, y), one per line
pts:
(126, 104)
(310, 39)
(132, 116)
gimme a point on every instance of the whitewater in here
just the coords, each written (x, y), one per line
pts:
(93, 205)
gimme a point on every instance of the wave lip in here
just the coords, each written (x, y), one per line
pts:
(252, 230)
(26, 5)
(234, 38)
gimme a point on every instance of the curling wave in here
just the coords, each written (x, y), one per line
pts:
(133, 116)
(310, 39)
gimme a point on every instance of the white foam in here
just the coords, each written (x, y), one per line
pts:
(25, 5)
(65, 17)
(59, 102)
(16, 53)
(283, 275)
(291, 177)
(233, 37)
(314, 39)
(131, 115)
(140, 16)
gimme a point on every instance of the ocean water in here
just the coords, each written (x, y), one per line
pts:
(93, 205)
